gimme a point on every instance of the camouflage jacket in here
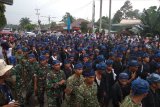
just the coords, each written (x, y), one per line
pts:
(73, 83)
(87, 96)
(53, 89)
(129, 103)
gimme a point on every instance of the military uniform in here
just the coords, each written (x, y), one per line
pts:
(20, 81)
(54, 90)
(129, 103)
(41, 82)
(87, 96)
(73, 83)
(32, 69)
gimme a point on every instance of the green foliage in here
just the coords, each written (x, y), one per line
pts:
(3, 20)
(24, 22)
(84, 27)
(150, 20)
(30, 27)
(64, 19)
(105, 22)
(126, 11)
(53, 25)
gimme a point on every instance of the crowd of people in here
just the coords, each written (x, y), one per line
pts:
(75, 70)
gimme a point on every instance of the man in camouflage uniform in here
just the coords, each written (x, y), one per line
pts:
(32, 67)
(55, 85)
(19, 87)
(87, 92)
(73, 82)
(41, 79)
(139, 90)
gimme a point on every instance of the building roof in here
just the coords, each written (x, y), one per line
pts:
(126, 22)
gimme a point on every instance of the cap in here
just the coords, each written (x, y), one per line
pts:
(133, 63)
(89, 73)
(123, 76)
(78, 66)
(31, 56)
(100, 58)
(101, 66)
(109, 62)
(42, 58)
(145, 55)
(153, 78)
(139, 87)
(55, 62)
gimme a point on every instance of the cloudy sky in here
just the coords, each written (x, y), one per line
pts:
(57, 8)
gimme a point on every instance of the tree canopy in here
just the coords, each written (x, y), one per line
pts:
(24, 21)
(64, 18)
(3, 20)
(105, 22)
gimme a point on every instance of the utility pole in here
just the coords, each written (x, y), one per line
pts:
(49, 20)
(100, 24)
(37, 13)
(110, 10)
(93, 16)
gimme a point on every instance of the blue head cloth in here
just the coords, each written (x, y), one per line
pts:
(89, 73)
(139, 87)
(100, 58)
(153, 78)
(71, 56)
(124, 76)
(157, 65)
(133, 63)
(31, 56)
(111, 54)
(145, 55)
(42, 58)
(103, 47)
(88, 65)
(55, 62)
(101, 66)
(120, 55)
(45, 52)
(66, 62)
(157, 55)
(19, 47)
(78, 66)
(109, 62)
(86, 55)
(12, 60)
(25, 49)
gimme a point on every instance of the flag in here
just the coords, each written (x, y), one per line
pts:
(68, 23)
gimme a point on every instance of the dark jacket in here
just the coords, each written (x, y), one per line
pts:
(151, 100)
(119, 93)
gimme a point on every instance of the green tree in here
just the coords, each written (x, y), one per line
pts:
(24, 22)
(126, 11)
(64, 18)
(30, 27)
(3, 21)
(53, 25)
(84, 27)
(105, 22)
(150, 20)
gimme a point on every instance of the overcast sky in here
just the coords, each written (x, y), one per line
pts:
(57, 8)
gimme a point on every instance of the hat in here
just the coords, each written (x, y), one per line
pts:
(145, 55)
(66, 62)
(4, 67)
(42, 58)
(109, 62)
(133, 63)
(86, 55)
(31, 56)
(157, 65)
(119, 55)
(153, 78)
(123, 76)
(89, 73)
(139, 86)
(111, 54)
(78, 66)
(55, 62)
(100, 58)
(157, 55)
(101, 66)
(88, 65)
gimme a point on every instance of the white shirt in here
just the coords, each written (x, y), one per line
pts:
(9, 52)
(98, 81)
